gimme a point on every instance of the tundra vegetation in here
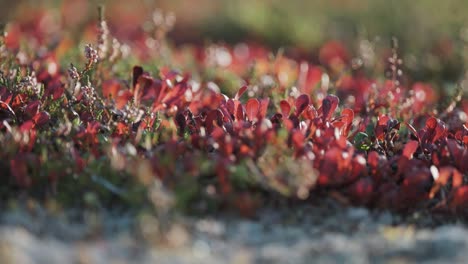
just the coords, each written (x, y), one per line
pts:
(133, 120)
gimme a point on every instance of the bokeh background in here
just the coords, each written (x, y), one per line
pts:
(432, 34)
(276, 22)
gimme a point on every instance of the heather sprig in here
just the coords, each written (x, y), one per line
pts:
(103, 42)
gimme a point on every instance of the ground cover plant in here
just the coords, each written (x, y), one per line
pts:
(104, 123)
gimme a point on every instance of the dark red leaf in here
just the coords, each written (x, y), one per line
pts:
(415, 187)
(389, 193)
(362, 191)
(285, 108)
(175, 95)
(58, 91)
(301, 103)
(231, 106)
(240, 92)
(55, 89)
(240, 113)
(137, 72)
(329, 105)
(459, 154)
(180, 122)
(213, 118)
(440, 131)
(41, 118)
(32, 108)
(5, 95)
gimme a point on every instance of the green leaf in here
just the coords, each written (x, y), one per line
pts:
(362, 141)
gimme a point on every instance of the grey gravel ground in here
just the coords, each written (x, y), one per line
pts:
(308, 234)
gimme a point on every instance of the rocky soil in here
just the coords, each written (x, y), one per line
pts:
(325, 233)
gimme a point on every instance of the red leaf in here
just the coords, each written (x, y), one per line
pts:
(288, 124)
(217, 134)
(407, 155)
(121, 129)
(415, 187)
(26, 126)
(459, 154)
(297, 139)
(5, 95)
(285, 108)
(376, 163)
(240, 92)
(373, 159)
(433, 131)
(301, 103)
(440, 131)
(54, 88)
(336, 168)
(123, 96)
(18, 100)
(41, 118)
(431, 123)
(214, 117)
(348, 116)
(230, 106)
(381, 126)
(32, 108)
(459, 201)
(252, 107)
(110, 88)
(410, 148)
(457, 179)
(58, 91)
(137, 72)
(310, 112)
(143, 89)
(329, 105)
(173, 96)
(362, 191)
(263, 108)
(93, 127)
(383, 120)
(240, 113)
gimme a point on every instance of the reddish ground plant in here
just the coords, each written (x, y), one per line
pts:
(377, 143)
